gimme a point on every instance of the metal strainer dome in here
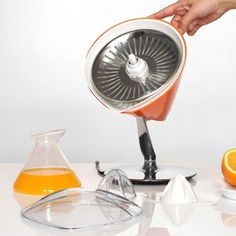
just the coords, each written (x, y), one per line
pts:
(128, 66)
(110, 75)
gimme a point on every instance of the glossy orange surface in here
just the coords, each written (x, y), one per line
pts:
(228, 167)
(159, 107)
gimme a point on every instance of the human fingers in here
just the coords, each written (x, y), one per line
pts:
(207, 20)
(192, 25)
(194, 30)
(176, 21)
(167, 11)
(188, 19)
(180, 12)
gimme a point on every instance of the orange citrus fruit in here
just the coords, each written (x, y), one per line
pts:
(228, 166)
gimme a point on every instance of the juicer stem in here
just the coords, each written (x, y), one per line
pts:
(149, 167)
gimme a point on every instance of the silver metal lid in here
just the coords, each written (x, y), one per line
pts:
(134, 65)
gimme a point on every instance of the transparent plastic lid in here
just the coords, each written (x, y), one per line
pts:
(78, 208)
(73, 209)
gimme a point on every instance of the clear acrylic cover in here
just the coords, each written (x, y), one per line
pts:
(116, 181)
(73, 209)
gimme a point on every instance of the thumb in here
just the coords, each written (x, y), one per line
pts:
(188, 19)
(167, 11)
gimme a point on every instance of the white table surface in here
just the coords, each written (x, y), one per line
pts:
(214, 220)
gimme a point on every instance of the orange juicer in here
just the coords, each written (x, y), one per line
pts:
(47, 170)
(135, 68)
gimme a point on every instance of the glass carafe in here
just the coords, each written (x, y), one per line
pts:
(47, 169)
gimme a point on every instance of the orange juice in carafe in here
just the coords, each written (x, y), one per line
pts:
(47, 170)
(43, 181)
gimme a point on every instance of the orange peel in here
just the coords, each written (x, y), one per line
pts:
(228, 166)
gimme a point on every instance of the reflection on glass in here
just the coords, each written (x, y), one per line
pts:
(145, 228)
(25, 200)
(227, 208)
(228, 219)
(178, 214)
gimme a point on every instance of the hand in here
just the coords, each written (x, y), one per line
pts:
(190, 15)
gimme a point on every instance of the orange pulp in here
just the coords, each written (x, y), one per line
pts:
(43, 181)
(229, 167)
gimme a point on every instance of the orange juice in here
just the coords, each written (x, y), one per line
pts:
(43, 181)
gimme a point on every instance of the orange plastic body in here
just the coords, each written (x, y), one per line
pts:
(160, 107)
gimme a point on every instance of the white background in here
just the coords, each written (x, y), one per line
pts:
(42, 85)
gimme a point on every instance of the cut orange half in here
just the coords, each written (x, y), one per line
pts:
(228, 166)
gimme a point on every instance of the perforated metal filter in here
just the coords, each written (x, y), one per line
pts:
(109, 73)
